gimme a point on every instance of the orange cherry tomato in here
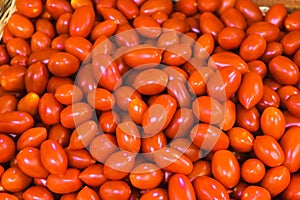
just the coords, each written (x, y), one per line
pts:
(269, 99)
(146, 176)
(289, 144)
(225, 168)
(59, 134)
(63, 64)
(180, 187)
(189, 8)
(232, 17)
(7, 148)
(224, 59)
(159, 114)
(273, 122)
(36, 78)
(186, 146)
(66, 183)
(248, 118)
(136, 110)
(147, 26)
(45, 26)
(75, 114)
(42, 56)
(33, 137)
(113, 14)
(29, 161)
(155, 194)
(50, 109)
(292, 104)
(253, 170)
(68, 94)
(7, 196)
(207, 188)
(12, 79)
(240, 139)
(14, 180)
(225, 4)
(268, 31)
(128, 137)
(37, 192)
(15, 122)
(63, 23)
(79, 158)
(152, 6)
(124, 95)
(30, 9)
(8, 103)
(285, 92)
(128, 8)
(93, 175)
(207, 5)
(204, 46)
(291, 192)
(231, 37)
(250, 10)
(290, 42)
(87, 192)
(20, 26)
(108, 121)
(115, 190)
(201, 168)
(53, 157)
(292, 22)
(230, 115)
(176, 24)
(82, 136)
(172, 160)
(256, 192)
(276, 15)
(209, 23)
(202, 133)
(106, 28)
(39, 41)
(118, 165)
(18, 46)
(78, 46)
(284, 70)
(276, 180)
(253, 47)
(56, 8)
(267, 149)
(153, 143)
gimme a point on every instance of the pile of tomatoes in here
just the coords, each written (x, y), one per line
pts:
(150, 99)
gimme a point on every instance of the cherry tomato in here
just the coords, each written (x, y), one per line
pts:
(29, 103)
(7, 196)
(87, 192)
(7, 148)
(189, 7)
(289, 144)
(186, 146)
(155, 194)
(292, 104)
(250, 10)
(63, 64)
(153, 143)
(231, 37)
(45, 26)
(68, 94)
(15, 122)
(240, 139)
(209, 137)
(252, 47)
(290, 42)
(63, 24)
(106, 28)
(8, 103)
(30, 163)
(18, 46)
(267, 149)
(209, 6)
(207, 188)
(113, 14)
(225, 168)
(33, 137)
(276, 180)
(93, 175)
(30, 9)
(12, 79)
(36, 78)
(269, 99)
(268, 31)
(232, 17)
(128, 137)
(248, 118)
(209, 23)
(276, 15)
(291, 192)
(147, 26)
(56, 8)
(285, 92)
(272, 122)
(180, 187)
(65, 183)
(79, 158)
(53, 157)
(136, 109)
(20, 26)
(256, 192)
(108, 121)
(173, 160)
(59, 134)
(152, 6)
(14, 180)
(115, 190)
(253, 170)
(292, 22)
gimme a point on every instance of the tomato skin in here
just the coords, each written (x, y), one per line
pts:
(30, 163)
(52, 151)
(251, 90)
(268, 151)
(155, 194)
(78, 46)
(273, 122)
(153, 120)
(276, 180)
(93, 175)
(180, 187)
(14, 180)
(291, 192)
(253, 170)
(7, 148)
(146, 176)
(20, 26)
(225, 168)
(209, 23)
(276, 15)
(207, 188)
(290, 147)
(203, 132)
(115, 190)
(49, 109)
(63, 64)
(292, 22)
(240, 139)
(15, 122)
(65, 183)
(256, 192)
